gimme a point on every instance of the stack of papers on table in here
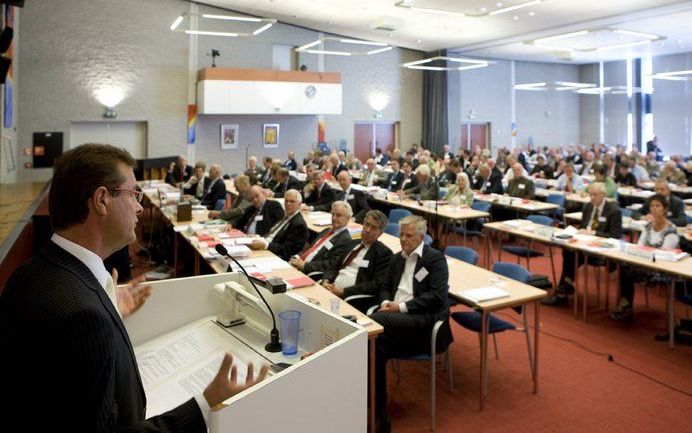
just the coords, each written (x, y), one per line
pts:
(670, 255)
(355, 230)
(483, 294)
(235, 251)
(515, 224)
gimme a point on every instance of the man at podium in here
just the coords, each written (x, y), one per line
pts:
(67, 362)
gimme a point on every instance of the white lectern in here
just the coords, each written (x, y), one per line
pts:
(179, 345)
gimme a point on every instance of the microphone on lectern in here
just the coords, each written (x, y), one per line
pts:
(274, 344)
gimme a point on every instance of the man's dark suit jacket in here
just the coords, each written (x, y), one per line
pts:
(291, 164)
(291, 183)
(545, 169)
(272, 212)
(521, 187)
(369, 279)
(266, 177)
(218, 192)
(254, 174)
(675, 212)
(175, 177)
(428, 191)
(413, 181)
(338, 169)
(394, 181)
(291, 239)
(322, 201)
(494, 185)
(611, 227)
(60, 333)
(429, 295)
(358, 202)
(327, 259)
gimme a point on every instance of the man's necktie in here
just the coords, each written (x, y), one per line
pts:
(594, 221)
(110, 291)
(316, 245)
(568, 185)
(251, 220)
(349, 258)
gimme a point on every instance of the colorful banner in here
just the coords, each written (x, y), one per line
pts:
(191, 123)
(321, 131)
(8, 112)
(514, 129)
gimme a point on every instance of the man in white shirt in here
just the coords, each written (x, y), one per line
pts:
(412, 299)
(62, 304)
(569, 181)
(370, 176)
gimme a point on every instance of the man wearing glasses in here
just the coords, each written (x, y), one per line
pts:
(61, 314)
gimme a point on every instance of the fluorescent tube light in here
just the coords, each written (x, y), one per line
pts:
(261, 29)
(639, 34)
(513, 8)
(232, 18)
(206, 33)
(356, 41)
(465, 68)
(379, 50)
(177, 22)
(310, 45)
(573, 84)
(334, 53)
(436, 11)
(686, 72)
(428, 68)
(563, 36)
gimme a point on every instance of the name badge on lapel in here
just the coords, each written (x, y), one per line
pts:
(669, 213)
(349, 197)
(364, 263)
(259, 218)
(394, 182)
(521, 186)
(421, 274)
(601, 219)
(328, 245)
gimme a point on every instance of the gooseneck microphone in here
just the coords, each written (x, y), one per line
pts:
(274, 344)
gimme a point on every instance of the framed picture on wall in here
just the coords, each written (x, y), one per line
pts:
(229, 137)
(270, 135)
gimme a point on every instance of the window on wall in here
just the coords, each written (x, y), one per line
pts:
(283, 58)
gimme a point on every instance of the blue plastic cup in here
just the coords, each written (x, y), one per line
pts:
(290, 326)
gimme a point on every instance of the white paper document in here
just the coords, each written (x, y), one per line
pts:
(483, 294)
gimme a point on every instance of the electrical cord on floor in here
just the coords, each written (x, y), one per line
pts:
(606, 355)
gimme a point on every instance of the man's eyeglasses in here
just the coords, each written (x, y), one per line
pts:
(137, 193)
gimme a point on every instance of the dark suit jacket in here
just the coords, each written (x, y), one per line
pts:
(371, 278)
(611, 227)
(322, 201)
(192, 190)
(254, 174)
(266, 177)
(394, 181)
(429, 301)
(55, 314)
(521, 187)
(175, 177)
(291, 164)
(358, 202)
(427, 191)
(291, 183)
(326, 260)
(338, 169)
(291, 239)
(494, 185)
(675, 212)
(218, 192)
(271, 213)
(413, 181)
(627, 180)
(545, 169)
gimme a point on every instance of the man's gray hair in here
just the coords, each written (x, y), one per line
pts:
(597, 187)
(423, 169)
(417, 220)
(379, 217)
(344, 205)
(297, 194)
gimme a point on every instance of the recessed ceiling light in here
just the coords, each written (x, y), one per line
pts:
(515, 17)
(532, 14)
(498, 4)
(515, 7)
(484, 9)
(418, 40)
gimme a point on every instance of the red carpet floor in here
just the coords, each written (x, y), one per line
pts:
(580, 390)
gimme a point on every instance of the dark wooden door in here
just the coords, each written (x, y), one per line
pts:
(479, 136)
(363, 138)
(384, 136)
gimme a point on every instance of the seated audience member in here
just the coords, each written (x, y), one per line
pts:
(261, 215)
(309, 183)
(395, 179)
(638, 170)
(446, 153)
(624, 177)
(509, 172)
(587, 166)
(266, 177)
(658, 233)
(520, 186)
(542, 170)
(449, 175)
(180, 172)
(364, 267)
(321, 196)
(651, 165)
(460, 192)
(253, 172)
(380, 158)
(673, 174)
(308, 158)
(353, 163)
(609, 164)
(244, 200)
(195, 184)
(569, 181)
(337, 165)
(370, 176)
(675, 207)
(412, 299)
(356, 199)
(599, 217)
(291, 164)
(600, 176)
(409, 179)
(324, 254)
(284, 182)
(409, 157)
(425, 189)
(214, 187)
(288, 236)
(486, 183)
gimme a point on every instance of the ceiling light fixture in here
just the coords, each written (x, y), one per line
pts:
(208, 33)
(407, 4)
(601, 36)
(177, 22)
(306, 48)
(559, 86)
(358, 42)
(515, 7)
(379, 50)
(674, 75)
(334, 53)
(639, 34)
(531, 86)
(268, 24)
(261, 29)
(310, 45)
(232, 18)
(423, 64)
(562, 36)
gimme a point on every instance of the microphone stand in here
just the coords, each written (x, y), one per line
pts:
(274, 344)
